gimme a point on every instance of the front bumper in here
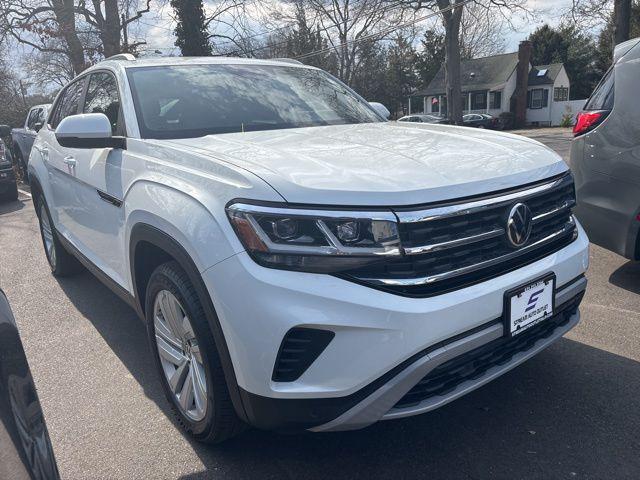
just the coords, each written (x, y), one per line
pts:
(377, 353)
(7, 179)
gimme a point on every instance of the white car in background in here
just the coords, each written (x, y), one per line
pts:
(300, 262)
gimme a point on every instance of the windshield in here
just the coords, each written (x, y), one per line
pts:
(196, 100)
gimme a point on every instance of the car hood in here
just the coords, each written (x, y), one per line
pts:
(382, 164)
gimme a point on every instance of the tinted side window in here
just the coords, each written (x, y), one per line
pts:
(602, 96)
(33, 118)
(42, 116)
(68, 104)
(102, 97)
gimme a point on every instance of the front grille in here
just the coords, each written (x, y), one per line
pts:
(452, 246)
(474, 364)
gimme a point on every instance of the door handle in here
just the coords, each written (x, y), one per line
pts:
(71, 161)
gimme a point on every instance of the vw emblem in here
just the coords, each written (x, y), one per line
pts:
(519, 225)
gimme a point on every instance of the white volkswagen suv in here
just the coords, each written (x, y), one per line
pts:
(299, 261)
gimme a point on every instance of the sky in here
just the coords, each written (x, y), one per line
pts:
(158, 27)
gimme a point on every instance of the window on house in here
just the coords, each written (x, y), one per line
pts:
(560, 94)
(495, 100)
(479, 101)
(435, 105)
(538, 98)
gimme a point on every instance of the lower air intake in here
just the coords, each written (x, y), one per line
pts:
(299, 349)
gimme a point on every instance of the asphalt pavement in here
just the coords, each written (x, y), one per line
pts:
(572, 412)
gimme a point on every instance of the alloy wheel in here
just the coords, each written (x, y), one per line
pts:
(47, 236)
(180, 355)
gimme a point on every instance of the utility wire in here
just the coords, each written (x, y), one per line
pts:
(383, 32)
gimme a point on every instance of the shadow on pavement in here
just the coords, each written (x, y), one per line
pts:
(627, 277)
(10, 207)
(571, 412)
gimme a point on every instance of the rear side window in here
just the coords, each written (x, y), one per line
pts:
(102, 97)
(68, 103)
(602, 97)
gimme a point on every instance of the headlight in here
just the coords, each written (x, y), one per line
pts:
(322, 241)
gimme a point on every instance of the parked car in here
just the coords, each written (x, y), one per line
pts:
(480, 120)
(8, 184)
(26, 448)
(279, 287)
(423, 118)
(604, 157)
(22, 138)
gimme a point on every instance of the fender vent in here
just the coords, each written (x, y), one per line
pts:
(299, 349)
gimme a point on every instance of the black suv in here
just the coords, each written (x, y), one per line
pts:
(8, 184)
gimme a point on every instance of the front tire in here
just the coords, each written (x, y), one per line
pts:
(61, 262)
(186, 357)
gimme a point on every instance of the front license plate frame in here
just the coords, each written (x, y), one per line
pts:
(516, 304)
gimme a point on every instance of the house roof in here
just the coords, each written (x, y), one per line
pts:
(491, 73)
(544, 74)
(478, 73)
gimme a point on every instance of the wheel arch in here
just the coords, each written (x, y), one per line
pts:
(148, 248)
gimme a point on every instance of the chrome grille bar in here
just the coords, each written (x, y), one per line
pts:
(556, 211)
(425, 280)
(438, 213)
(434, 247)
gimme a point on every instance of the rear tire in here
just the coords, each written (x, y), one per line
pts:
(22, 167)
(61, 262)
(177, 326)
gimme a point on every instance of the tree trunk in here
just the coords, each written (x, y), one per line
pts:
(64, 12)
(622, 21)
(451, 20)
(110, 34)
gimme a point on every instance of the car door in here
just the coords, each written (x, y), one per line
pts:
(56, 157)
(29, 133)
(97, 219)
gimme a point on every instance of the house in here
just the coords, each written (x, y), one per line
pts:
(490, 85)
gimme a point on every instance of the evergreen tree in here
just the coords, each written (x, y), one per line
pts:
(604, 54)
(191, 31)
(401, 79)
(431, 57)
(369, 79)
(576, 50)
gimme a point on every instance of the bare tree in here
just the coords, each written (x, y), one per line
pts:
(48, 71)
(482, 32)
(58, 27)
(346, 21)
(589, 13)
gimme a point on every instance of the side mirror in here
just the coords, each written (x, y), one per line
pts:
(37, 126)
(89, 130)
(5, 130)
(380, 109)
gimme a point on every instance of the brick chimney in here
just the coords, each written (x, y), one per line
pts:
(519, 99)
